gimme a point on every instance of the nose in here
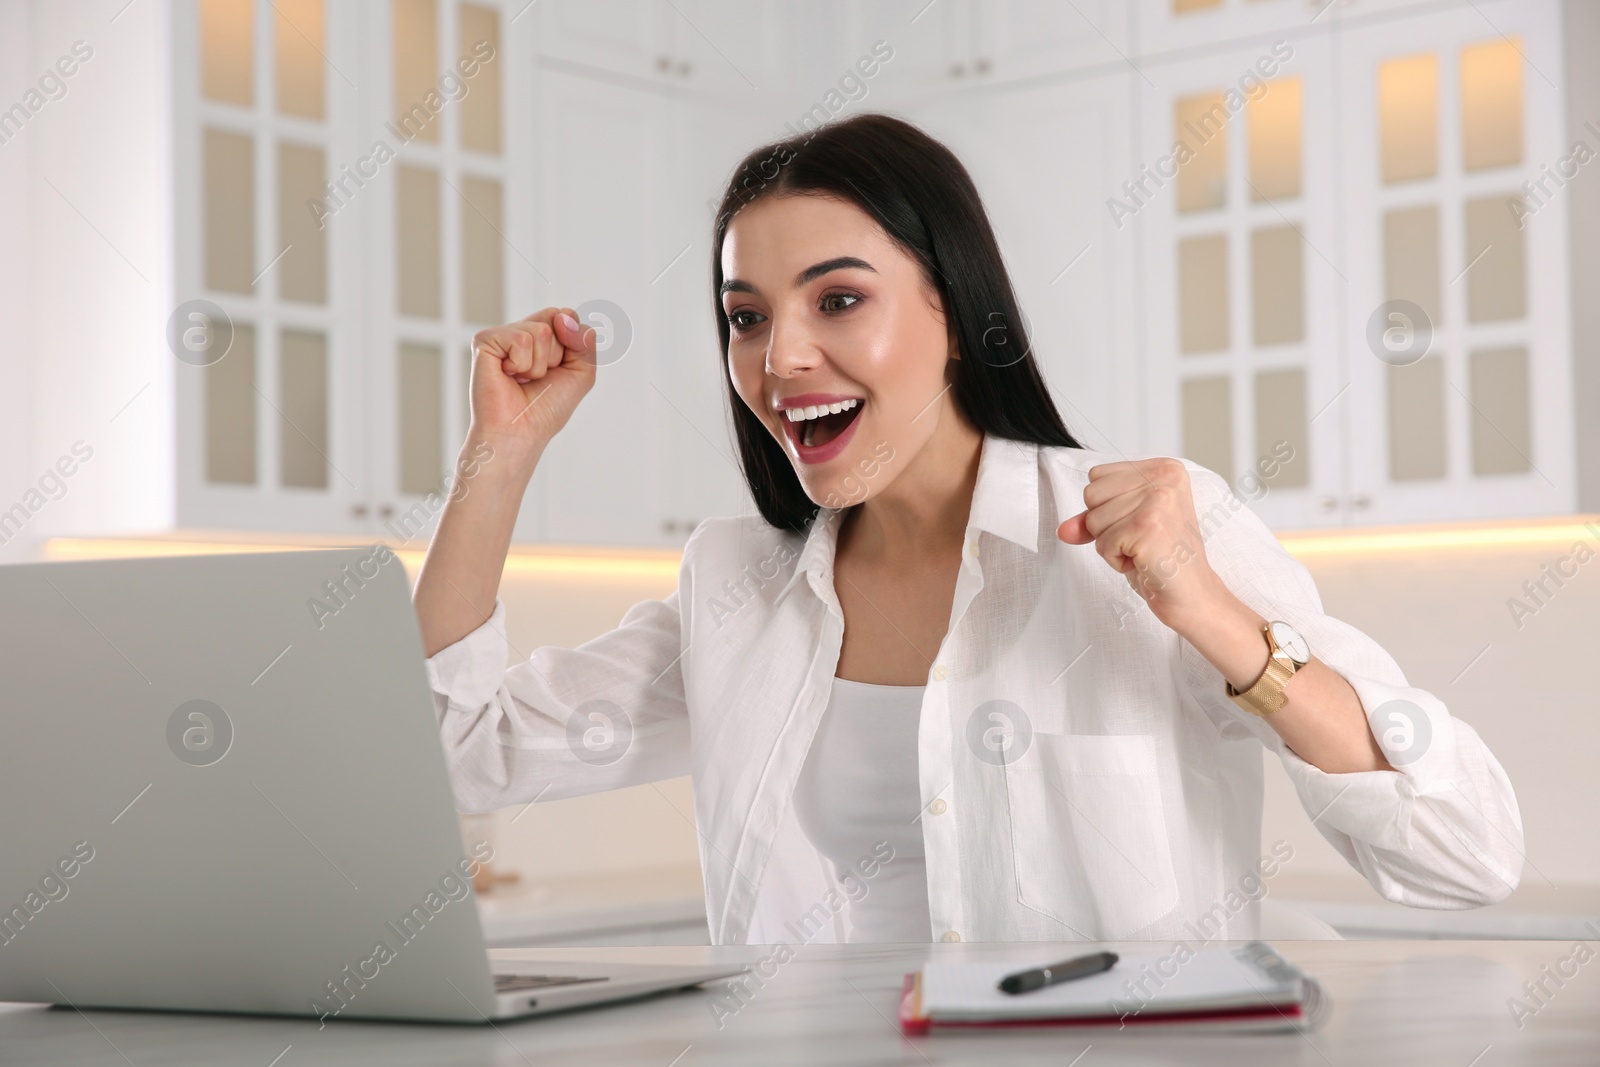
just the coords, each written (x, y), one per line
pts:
(790, 350)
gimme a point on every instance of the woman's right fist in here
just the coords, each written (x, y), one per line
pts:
(528, 376)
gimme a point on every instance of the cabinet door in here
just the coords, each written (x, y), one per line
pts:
(1457, 309)
(728, 47)
(1023, 38)
(702, 476)
(447, 239)
(932, 43)
(1234, 197)
(600, 180)
(266, 331)
(1173, 25)
(626, 37)
(1045, 160)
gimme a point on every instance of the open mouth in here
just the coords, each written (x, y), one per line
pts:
(824, 425)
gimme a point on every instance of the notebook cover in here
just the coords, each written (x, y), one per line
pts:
(1307, 1013)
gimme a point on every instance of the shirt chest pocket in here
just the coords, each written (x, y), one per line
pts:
(1089, 834)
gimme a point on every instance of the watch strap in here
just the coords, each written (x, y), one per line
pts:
(1266, 695)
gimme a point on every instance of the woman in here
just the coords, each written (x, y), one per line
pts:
(995, 687)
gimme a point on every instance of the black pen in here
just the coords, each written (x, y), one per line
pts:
(1065, 971)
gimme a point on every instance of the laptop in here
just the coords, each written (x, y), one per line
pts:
(222, 789)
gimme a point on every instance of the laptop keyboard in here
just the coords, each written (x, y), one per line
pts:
(516, 983)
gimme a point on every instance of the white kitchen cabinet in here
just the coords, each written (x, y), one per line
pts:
(601, 224)
(959, 44)
(705, 46)
(1241, 273)
(1044, 160)
(1215, 311)
(702, 476)
(1269, 261)
(1014, 39)
(1174, 25)
(932, 42)
(354, 241)
(263, 332)
(626, 37)
(1481, 426)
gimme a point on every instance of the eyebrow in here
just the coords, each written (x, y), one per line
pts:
(810, 274)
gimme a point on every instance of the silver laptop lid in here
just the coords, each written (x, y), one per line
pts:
(222, 788)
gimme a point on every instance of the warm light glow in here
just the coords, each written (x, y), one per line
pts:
(582, 563)
(1273, 132)
(571, 564)
(1408, 116)
(1491, 104)
(227, 34)
(1401, 539)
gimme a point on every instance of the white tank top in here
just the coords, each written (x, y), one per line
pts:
(859, 787)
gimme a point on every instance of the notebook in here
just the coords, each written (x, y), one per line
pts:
(1223, 987)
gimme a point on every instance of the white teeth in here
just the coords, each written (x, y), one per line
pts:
(817, 410)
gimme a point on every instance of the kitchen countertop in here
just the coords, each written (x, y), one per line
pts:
(1411, 1003)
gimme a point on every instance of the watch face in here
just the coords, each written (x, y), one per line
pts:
(1291, 642)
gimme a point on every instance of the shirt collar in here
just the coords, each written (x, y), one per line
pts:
(1005, 503)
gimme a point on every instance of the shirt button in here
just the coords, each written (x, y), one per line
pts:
(974, 548)
(939, 672)
(951, 935)
(938, 807)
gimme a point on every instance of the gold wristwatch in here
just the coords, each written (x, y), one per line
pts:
(1287, 652)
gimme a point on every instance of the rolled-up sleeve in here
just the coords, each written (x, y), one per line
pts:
(565, 721)
(1443, 829)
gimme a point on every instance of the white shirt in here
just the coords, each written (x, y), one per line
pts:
(1129, 804)
(859, 795)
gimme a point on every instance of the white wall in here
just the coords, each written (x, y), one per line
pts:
(16, 419)
(85, 196)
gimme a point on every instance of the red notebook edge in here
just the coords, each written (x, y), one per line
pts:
(912, 1021)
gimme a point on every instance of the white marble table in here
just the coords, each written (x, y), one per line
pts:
(1416, 1003)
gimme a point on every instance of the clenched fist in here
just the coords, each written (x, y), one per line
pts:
(1140, 515)
(527, 379)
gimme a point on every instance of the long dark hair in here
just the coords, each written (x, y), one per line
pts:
(916, 189)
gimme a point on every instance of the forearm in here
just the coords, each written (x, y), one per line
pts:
(460, 576)
(1322, 720)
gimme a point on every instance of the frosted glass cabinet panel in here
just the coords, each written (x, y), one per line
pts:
(230, 216)
(227, 51)
(303, 409)
(300, 42)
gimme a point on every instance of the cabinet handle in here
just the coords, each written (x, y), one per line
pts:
(957, 70)
(669, 526)
(358, 510)
(385, 511)
(981, 66)
(1360, 500)
(684, 68)
(663, 64)
(1327, 503)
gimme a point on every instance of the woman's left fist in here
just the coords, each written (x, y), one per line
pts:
(1140, 515)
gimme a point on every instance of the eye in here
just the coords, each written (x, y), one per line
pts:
(833, 303)
(745, 320)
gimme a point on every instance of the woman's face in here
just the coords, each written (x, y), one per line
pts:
(824, 309)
